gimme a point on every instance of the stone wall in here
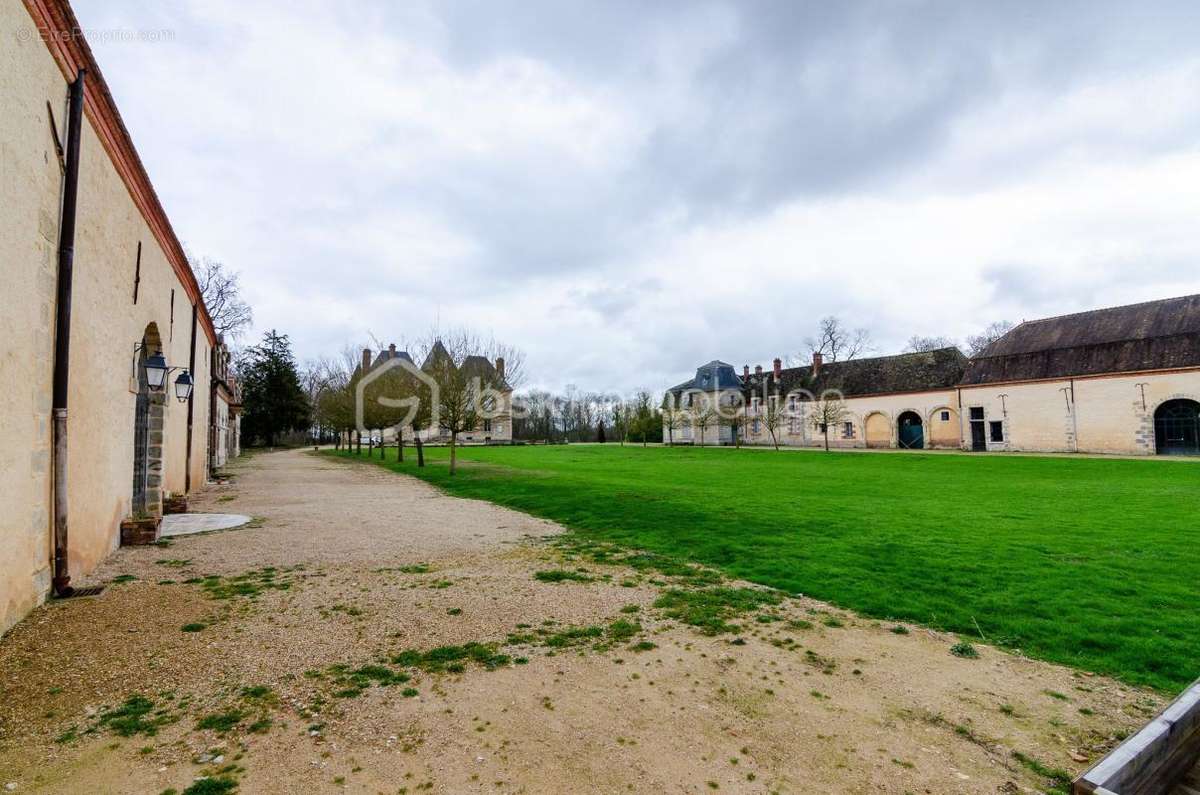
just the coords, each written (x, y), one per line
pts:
(106, 325)
(1100, 414)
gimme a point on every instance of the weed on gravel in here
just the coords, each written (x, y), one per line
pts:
(136, 715)
(709, 609)
(250, 584)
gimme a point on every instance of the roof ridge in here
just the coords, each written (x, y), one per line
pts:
(874, 358)
(1106, 309)
(1083, 345)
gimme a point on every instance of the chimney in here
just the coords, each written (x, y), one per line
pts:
(818, 359)
(758, 370)
(392, 351)
(778, 369)
(500, 367)
(746, 372)
(366, 365)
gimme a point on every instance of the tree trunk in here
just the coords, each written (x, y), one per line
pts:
(399, 445)
(827, 438)
(358, 442)
(453, 452)
(420, 449)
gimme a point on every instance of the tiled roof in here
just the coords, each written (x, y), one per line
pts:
(1155, 335)
(905, 372)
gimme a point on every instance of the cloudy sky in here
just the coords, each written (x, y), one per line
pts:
(625, 190)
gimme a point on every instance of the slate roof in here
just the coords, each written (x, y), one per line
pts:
(1155, 335)
(472, 365)
(387, 354)
(716, 375)
(878, 375)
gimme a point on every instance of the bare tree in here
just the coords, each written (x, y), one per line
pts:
(672, 417)
(469, 388)
(222, 293)
(703, 417)
(828, 412)
(645, 419)
(837, 343)
(620, 420)
(978, 343)
(772, 419)
(919, 344)
(733, 417)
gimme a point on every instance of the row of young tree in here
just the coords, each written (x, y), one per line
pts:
(541, 416)
(705, 413)
(446, 383)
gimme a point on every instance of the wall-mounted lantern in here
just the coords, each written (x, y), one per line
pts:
(157, 371)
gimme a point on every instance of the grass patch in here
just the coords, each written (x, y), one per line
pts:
(248, 585)
(195, 626)
(709, 609)
(221, 722)
(215, 785)
(1060, 780)
(452, 659)
(1014, 544)
(561, 575)
(136, 715)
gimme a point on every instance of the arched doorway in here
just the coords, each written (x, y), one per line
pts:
(878, 430)
(912, 435)
(147, 433)
(944, 429)
(1177, 428)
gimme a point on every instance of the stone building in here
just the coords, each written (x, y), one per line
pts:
(1119, 380)
(495, 423)
(1122, 380)
(225, 410)
(887, 401)
(97, 294)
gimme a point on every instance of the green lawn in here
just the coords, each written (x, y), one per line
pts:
(1089, 562)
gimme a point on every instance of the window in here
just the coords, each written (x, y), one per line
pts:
(756, 426)
(847, 430)
(945, 416)
(824, 427)
(487, 426)
(997, 428)
(976, 412)
(791, 402)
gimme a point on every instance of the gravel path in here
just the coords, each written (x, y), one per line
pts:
(347, 567)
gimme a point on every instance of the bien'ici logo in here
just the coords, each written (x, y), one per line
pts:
(410, 403)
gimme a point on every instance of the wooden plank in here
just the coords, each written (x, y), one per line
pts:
(1153, 760)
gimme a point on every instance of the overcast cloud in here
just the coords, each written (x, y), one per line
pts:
(626, 190)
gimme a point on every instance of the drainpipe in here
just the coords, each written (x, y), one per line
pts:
(187, 471)
(62, 337)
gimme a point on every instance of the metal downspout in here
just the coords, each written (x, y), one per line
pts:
(187, 476)
(62, 336)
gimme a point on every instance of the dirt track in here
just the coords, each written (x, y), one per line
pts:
(806, 699)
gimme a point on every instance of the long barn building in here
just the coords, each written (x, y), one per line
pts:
(1122, 380)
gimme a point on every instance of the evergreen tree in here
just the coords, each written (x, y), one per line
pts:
(274, 401)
